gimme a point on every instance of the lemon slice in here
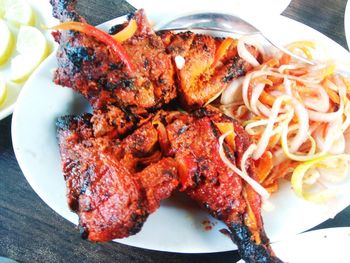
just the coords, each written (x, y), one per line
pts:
(32, 48)
(19, 12)
(2, 9)
(31, 40)
(6, 42)
(3, 89)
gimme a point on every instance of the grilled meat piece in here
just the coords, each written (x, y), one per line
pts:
(210, 65)
(89, 67)
(115, 181)
(108, 185)
(64, 10)
(207, 179)
(116, 122)
(114, 184)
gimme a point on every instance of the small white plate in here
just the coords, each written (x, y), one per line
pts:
(177, 225)
(321, 246)
(44, 17)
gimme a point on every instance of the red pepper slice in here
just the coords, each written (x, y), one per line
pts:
(102, 36)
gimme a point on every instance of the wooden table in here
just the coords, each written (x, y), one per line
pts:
(31, 232)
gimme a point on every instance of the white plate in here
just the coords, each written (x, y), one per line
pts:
(175, 227)
(159, 10)
(42, 11)
(321, 246)
(347, 23)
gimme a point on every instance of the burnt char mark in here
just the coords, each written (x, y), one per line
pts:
(125, 84)
(236, 70)
(64, 10)
(87, 179)
(115, 29)
(248, 249)
(69, 122)
(201, 113)
(130, 116)
(78, 55)
(116, 66)
(208, 111)
(138, 220)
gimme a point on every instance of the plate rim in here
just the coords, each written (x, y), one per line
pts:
(42, 193)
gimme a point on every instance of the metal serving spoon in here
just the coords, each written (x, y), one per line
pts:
(227, 23)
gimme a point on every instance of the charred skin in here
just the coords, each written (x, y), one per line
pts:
(64, 10)
(207, 180)
(206, 71)
(105, 185)
(249, 250)
(89, 67)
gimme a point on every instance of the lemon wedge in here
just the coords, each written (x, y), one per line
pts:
(315, 180)
(3, 89)
(32, 48)
(6, 42)
(2, 9)
(18, 12)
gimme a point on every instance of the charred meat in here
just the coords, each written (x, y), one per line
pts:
(206, 179)
(90, 67)
(112, 185)
(210, 65)
(137, 148)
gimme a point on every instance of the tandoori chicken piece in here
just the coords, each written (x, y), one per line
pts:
(210, 65)
(194, 143)
(113, 185)
(90, 67)
(104, 78)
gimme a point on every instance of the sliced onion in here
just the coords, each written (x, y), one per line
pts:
(248, 153)
(282, 68)
(320, 104)
(254, 184)
(303, 127)
(346, 123)
(298, 157)
(257, 90)
(287, 84)
(264, 140)
(282, 76)
(332, 116)
(245, 87)
(252, 40)
(338, 146)
(233, 92)
(329, 84)
(266, 111)
(253, 124)
(245, 54)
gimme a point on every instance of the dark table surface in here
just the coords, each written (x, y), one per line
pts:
(31, 232)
